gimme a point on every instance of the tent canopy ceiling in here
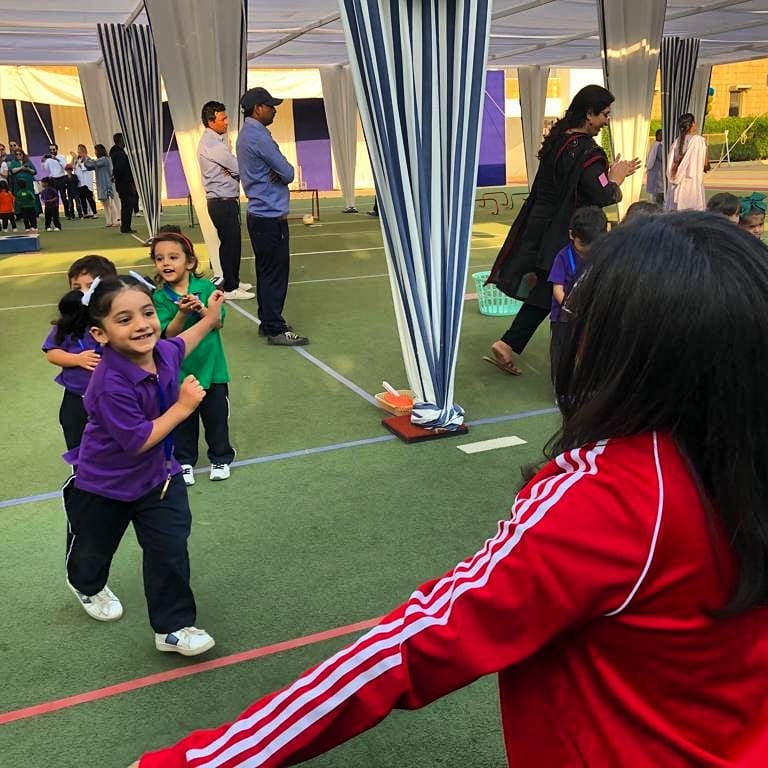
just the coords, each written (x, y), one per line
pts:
(307, 33)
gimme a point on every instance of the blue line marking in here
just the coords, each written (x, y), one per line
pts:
(303, 452)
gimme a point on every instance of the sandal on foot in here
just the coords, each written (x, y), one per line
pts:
(503, 365)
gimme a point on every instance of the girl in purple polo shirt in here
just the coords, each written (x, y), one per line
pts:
(126, 470)
(70, 346)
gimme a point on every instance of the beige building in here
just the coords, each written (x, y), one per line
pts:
(741, 90)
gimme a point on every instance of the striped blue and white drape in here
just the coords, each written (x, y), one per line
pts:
(419, 73)
(679, 57)
(134, 79)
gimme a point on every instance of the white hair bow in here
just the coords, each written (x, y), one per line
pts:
(86, 300)
(143, 280)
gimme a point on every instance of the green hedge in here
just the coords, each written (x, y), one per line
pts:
(756, 145)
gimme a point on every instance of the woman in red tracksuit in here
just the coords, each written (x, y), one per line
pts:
(623, 605)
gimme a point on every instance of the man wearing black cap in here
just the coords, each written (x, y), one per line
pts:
(265, 175)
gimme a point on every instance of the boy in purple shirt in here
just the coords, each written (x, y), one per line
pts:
(126, 470)
(585, 226)
(70, 346)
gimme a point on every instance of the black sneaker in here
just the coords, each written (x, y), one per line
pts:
(263, 333)
(288, 339)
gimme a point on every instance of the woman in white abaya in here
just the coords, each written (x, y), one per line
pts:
(686, 167)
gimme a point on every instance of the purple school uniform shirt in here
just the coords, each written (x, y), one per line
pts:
(74, 380)
(121, 402)
(566, 269)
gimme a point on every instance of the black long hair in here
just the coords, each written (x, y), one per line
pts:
(684, 123)
(669, 331)
(73, 317)
(76, 318)
(591, 98)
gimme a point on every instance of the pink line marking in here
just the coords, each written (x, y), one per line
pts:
(174, 674)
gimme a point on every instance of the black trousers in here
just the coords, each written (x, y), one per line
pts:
(526, 321)
(162, 527)
(73, 203)
(8, 219)
(86, 199)
(271, 247)
(73, 418)
(30, 218)
(225, 215)
(60, 183)
(128, 200)
(52, 216)
(214, 412)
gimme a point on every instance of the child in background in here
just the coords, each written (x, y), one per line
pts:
(752, 214)
(26, 205)
(624, 605)
(7, 205)
(181, 301)
(642, 208)
(50, 199)
(586, 225)
(70, 345)
(126, 470)
(72, 193)
(726, 205)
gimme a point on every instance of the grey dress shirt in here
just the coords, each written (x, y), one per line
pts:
(218, 166)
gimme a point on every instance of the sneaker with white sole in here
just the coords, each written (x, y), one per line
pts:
(239, 294)
(188, 473)
(219, 471)
(103, 606)
(245, 286)
(188, 641)
(288, 339)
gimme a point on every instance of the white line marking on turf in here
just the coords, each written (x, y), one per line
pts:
(315, 361)
(27, 306)
(491, 445)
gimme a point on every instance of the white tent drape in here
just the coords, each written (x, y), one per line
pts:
(197, 68)
(341, 113)
(419, 73)
(699, 92)
(630, 37)
(533, 101)
(131, 67)
(99, 105)
(678, 67)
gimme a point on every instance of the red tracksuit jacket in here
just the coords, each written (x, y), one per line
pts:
(594, 606)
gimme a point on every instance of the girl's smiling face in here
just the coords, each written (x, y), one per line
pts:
(131, 327)
(173, 264)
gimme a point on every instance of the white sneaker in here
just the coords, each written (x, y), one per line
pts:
(57, 229)
(103, 606)
(188, 641)
(240, 294)
(49, 229)
(245, 286)
(219, 471)
(188, 473)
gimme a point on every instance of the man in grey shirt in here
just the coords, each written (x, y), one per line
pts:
(221, 180)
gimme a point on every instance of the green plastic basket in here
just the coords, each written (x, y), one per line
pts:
(491, 300)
